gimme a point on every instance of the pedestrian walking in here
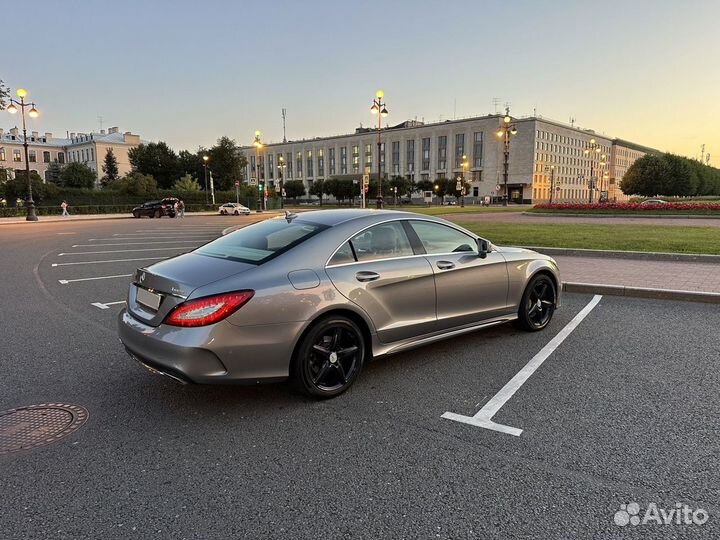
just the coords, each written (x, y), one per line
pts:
(181, 208)
(64, 206)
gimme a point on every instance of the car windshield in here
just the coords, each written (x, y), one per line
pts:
(261, 242)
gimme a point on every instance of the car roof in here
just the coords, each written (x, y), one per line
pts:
(335, 217)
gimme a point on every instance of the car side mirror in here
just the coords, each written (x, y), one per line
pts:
(483, 248)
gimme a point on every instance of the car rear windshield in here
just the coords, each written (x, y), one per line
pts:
(256, 244)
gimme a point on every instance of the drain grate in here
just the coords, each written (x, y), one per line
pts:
(36, 425)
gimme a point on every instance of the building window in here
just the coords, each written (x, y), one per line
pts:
(271, 167)
(426, 154)
(46, 157)
(343, 160)
(410, 155)
(476, 191)
(442, 152)
(396, 157)
(356, 159)
(16, 155)
(477, 176)
(32, 156)
(298, 159)
(477, 149)
(92, 154)
(368, 157)
(309, 164)
(382, 158)
(331, 158)
(321, 163)
(2, 154)
(459, 149)
(289, 164)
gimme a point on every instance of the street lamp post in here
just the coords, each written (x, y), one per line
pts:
(257, 143)
(395, 195)
(592, 151)
(282, 165)
(551, 168)
(378, 107)
(33, 113)
(506, 129)
(205, 165)
(465, 165)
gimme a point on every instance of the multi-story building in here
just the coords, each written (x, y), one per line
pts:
(88, 148)
(580, 158)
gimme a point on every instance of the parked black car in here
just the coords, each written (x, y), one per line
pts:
(156, 209)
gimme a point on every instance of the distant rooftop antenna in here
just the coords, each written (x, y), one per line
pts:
(496, 104)
(707, 158)
(455, 109)
(702, 153)
(572, 121)
(534, 111)
(100, 121)
(284, 112)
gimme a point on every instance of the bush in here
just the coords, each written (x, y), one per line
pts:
(77, 175)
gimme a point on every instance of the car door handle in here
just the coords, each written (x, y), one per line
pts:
(445, 265)
(366, 276)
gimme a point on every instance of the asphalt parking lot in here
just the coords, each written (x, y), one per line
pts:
(623, 410)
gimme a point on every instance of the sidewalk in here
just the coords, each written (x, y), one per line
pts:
(84, 217)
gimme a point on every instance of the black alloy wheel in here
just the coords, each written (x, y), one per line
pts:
(329, 358)
(538, 304)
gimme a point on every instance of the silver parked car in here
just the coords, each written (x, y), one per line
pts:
(315, 296)
(233, 208)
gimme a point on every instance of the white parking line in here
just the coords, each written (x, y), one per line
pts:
(483, 418)
(144, 236)
(109, 261)
(124, 250)
(66, 281)
(106, 305)
(136, 243)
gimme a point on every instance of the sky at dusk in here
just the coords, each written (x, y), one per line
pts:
(189, 72)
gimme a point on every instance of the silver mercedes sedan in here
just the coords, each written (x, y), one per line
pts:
(315, 296)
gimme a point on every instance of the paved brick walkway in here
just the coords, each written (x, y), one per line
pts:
(684, 276)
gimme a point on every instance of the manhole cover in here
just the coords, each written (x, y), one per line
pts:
(36, 425)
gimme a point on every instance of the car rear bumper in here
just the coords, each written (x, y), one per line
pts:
(219, 353)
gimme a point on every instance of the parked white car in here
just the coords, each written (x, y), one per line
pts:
(234, 208)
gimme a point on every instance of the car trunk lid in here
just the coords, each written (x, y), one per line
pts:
(158, 288)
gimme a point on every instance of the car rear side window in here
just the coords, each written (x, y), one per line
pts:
(258, 243)
(343, 255)
(383, 241)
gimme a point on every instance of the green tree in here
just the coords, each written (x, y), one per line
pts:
(136, 183)
(17, 188)
(4, 95)
(192, 164)
(442, 187)
(294, 189)
(226, 163)
(186, 184)
(77, 175)
(316, 189)
(54, 173)
(648, 176)
(424, 185)
(405, 185)
(110, 168)
(157, 160)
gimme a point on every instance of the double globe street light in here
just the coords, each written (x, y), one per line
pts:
(506, 129)
(378, 107)
(33, 113)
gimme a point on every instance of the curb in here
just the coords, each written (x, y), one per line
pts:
(636, 255)
(674, 216)
(642, 292)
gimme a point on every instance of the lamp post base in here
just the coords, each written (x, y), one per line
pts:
(31, 215)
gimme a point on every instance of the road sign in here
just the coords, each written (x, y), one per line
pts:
(497, 187)
(253, 181)
(237, 184)
(366, 179)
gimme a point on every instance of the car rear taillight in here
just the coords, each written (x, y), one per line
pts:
(208, 310)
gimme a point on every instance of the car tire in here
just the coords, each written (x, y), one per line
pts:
(156, 214)
(538, 303)
(136, 215)
(329, 357)
(223, 212)
(236, 213)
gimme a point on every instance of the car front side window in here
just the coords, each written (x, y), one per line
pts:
(437, 238)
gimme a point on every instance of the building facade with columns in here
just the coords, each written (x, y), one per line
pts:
(87, 148)
(579, 159)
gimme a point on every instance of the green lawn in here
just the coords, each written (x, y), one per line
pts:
(654, 213)
(440, 210)
(618, 237)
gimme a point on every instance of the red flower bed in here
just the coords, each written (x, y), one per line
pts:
(634, 207)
